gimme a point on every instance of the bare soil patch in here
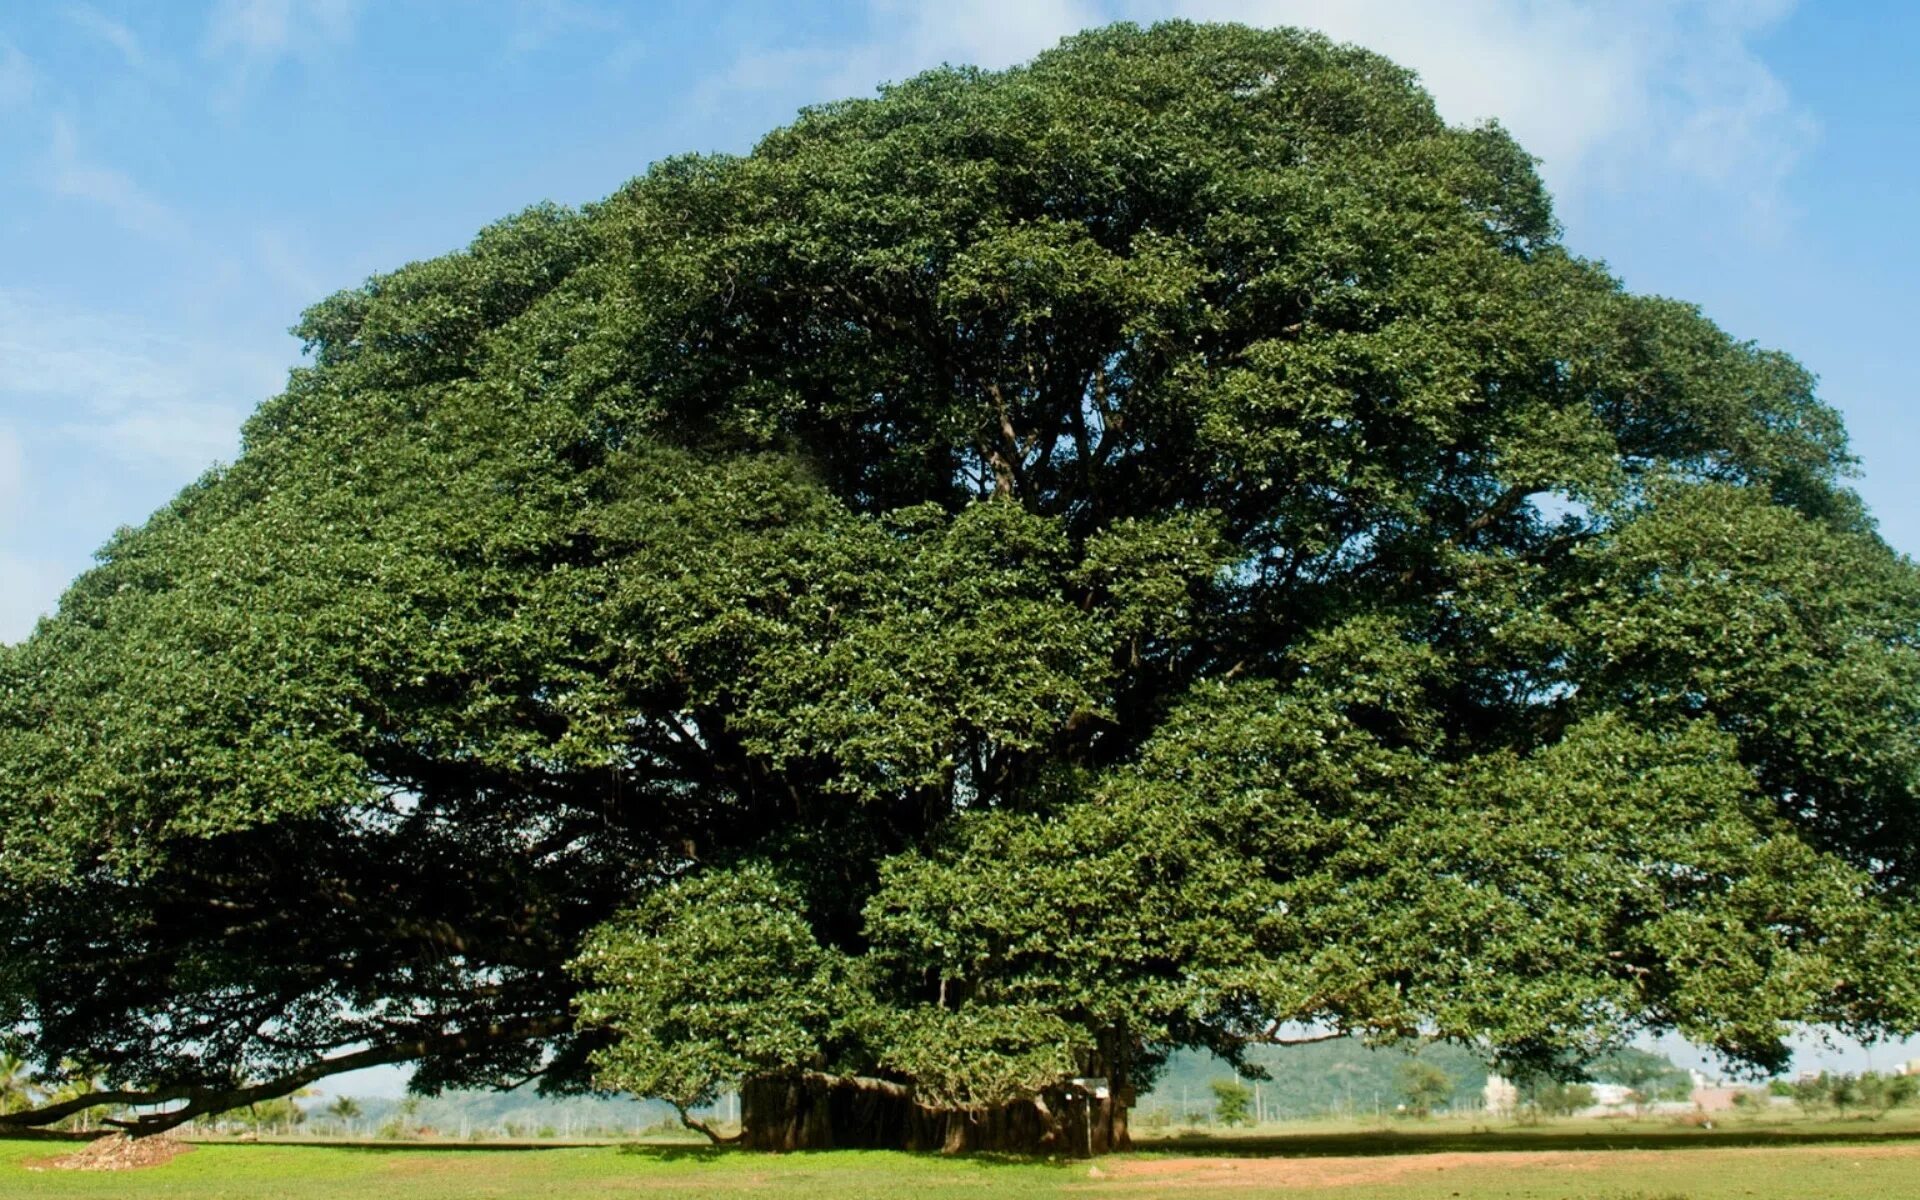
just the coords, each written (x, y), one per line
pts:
(1326, 1172)
(1310, 1173)
(115, 1152)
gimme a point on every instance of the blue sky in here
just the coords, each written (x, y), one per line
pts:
(178, 178)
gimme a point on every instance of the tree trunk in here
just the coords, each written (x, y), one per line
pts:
(815, 1111)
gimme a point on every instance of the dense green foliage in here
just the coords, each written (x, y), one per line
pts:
(1869, 1092)
(1157, 547)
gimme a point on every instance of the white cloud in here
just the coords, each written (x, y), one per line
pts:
(1598, 91)
(537, 22)
(910, 37)
(158, 403)
(270, 29)
(16, 76)
(115, 415)
(535, 25)
(13, 472)
(29, 586)
(110, 31)
(626, 56)
(1603, 91)
(71, 175)
(277, 256)
(252, 36)
(1561, 75)
(985, 33)
(29, 589)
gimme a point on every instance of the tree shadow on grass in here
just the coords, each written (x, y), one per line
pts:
(1378, 1143)
(668, 1153)
(421, 1147)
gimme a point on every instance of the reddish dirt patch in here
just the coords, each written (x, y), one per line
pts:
(115, 1152)
(1310, 1173)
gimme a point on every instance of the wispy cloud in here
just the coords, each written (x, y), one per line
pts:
(29, 589)
(537, 22)
(70, 174)
(13, 472)
(112, 32)
(154, 402)
(1602, 91)
(267, 30)
(986, 33)
(116, 414)
(16, 76)
(277, 255)
(251, 37)
(536, 25)
(908, 37)
(29, 586)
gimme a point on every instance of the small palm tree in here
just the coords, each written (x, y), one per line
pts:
(16, 1086)
(346, 1110)
(80, 1081)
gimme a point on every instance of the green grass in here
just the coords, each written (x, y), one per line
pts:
(1610, 1161)
(320, 1172)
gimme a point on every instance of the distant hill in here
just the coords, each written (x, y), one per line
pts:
(1315, 1080)
(1348, 1076)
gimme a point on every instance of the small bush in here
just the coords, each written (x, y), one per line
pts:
(1232, 1102)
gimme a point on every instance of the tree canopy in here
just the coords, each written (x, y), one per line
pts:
(1161, 546)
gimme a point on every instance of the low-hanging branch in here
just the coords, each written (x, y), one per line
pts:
(203, 1101)
(701, 1127)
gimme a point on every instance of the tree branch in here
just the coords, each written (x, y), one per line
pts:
(201, 1101)
(1271, 1037)
(703, 1127)
(1500, 508)
(1007, 459)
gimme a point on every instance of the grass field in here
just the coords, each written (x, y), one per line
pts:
(1587, 1159)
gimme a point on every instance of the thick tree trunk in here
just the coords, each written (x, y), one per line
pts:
(815, 1111)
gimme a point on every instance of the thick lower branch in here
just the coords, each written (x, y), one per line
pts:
(702, 1127)
(203, 1101)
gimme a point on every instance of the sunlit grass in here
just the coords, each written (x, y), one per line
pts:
(1616, 1160)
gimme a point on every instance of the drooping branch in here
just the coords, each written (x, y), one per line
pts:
(699, 1126)
(1270, 1036)
(202, 1101)
(1309, 1040)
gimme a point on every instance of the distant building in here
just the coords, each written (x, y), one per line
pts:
(1711, 1095)
(1715, 1099)
(1500, 1096)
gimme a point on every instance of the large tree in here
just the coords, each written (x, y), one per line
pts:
(1158, 547)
